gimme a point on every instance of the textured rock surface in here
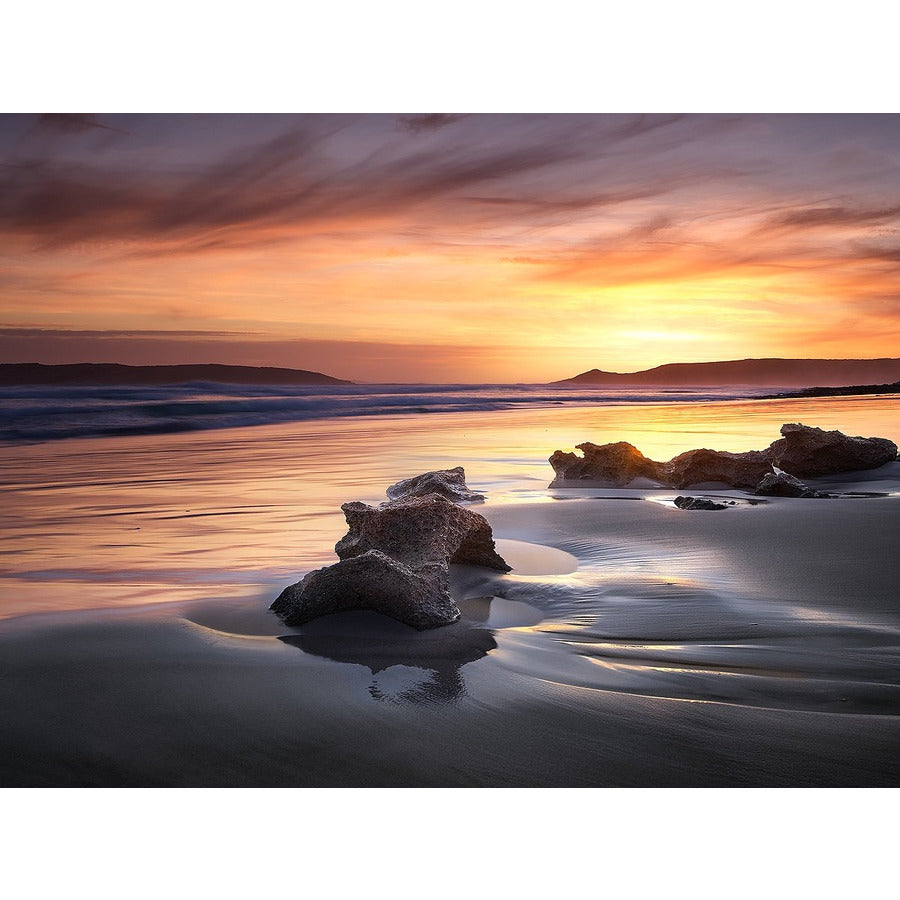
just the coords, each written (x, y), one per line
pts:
(420, 530)
(803, 451)
(395, 558)
(616, 464)
(740, 470)
(619, 464)
(449, 483)
(697, 503)
(373, 581)
(780, 484)
(810, 452)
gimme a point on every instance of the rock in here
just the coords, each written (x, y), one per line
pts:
(395, 559)
(420, 530)
(780, 484)
(373, 581)
(619, 464)
(697, 503)
(616, 464)
(810, 452)
(803, 451)
(740, 470)
(449, 483)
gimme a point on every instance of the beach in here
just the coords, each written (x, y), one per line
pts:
(633, 644)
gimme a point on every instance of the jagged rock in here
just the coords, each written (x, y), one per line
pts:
(803, 451)
(449, 483)
(697, 503)
(810, 452)
(395, 560)
(616, 464)
(373, 581)
(780, 484)
(740, 470)
(420, 530)
(621, 463)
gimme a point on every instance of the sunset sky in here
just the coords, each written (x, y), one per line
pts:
(446, 247)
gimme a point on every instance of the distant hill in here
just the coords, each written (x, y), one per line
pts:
(780, 372)
(113, 373)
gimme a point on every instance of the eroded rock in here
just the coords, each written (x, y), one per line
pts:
(395, 559)
(616, 464)
(803, 451)
(780, 484)
(740, 470)
(420, 530)
(698, 503)
(810, 452)
(449, 483)
(375, 581)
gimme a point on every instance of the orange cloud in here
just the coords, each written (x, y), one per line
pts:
(468, 248)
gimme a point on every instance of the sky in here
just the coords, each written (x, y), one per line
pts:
(445, 247)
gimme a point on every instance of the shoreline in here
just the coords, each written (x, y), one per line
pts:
(686, 649)
(535, 558)
(856, 390)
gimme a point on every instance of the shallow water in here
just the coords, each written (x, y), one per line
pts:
(233, 513)
(634, 643)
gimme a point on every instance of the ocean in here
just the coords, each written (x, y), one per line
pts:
(33, 414)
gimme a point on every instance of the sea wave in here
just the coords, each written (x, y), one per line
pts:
(37, 414)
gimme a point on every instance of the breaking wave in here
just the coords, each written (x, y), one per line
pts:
(34, 414)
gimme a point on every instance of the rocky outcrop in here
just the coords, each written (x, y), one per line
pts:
(740, 470)
(418, 531)
(618, 464)
(449, 483)
(780, 484)
(395, 559)
(698, 503)
(810, 452)
(802, 451)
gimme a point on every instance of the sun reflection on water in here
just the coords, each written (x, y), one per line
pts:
(120, 521)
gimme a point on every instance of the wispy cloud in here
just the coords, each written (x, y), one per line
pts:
(427, 121)
(833, 216)
(72, 123)
(443, 229)
(286, 184)
(309, 176)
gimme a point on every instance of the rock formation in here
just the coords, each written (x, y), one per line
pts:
(418, 531)
(780, 484)
(373, 581)
(617, 464)
(803, 451)
(395, 559)
(698, 503)
(449, 483)
(810, 452)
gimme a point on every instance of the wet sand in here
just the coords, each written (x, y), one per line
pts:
(634, 644)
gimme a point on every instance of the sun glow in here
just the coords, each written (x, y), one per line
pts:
(493, 249)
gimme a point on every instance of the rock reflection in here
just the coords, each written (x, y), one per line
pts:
(380, 643)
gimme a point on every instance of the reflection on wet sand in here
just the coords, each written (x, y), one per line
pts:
(437, 656)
